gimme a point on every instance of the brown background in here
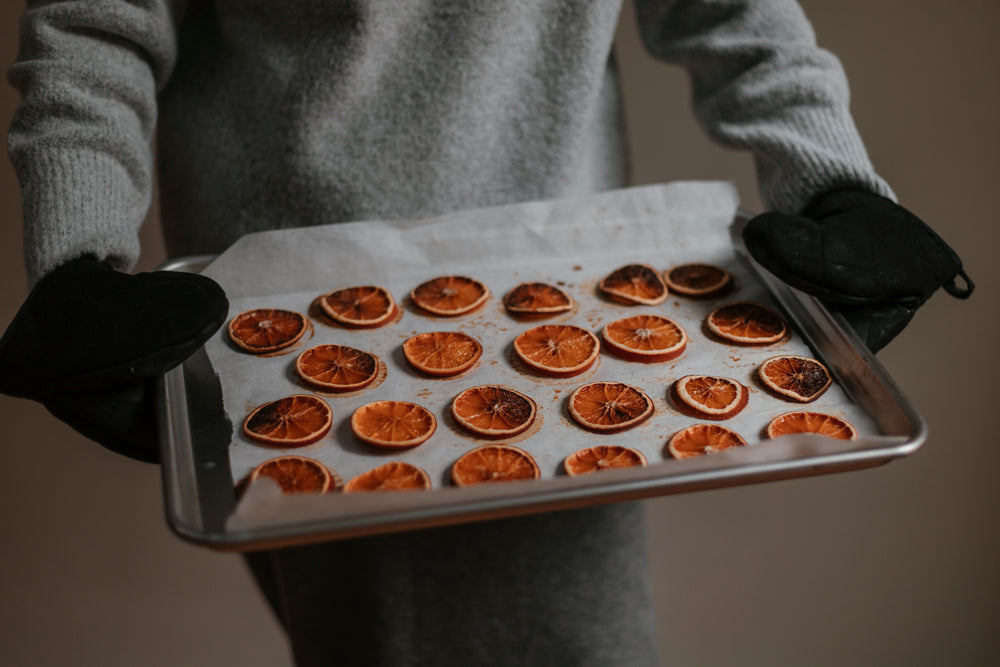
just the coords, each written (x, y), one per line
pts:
(891, 566)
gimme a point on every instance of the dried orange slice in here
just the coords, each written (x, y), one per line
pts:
(797, 378)
(392, 476)
(811, 422)
(265, 330)
(363, 306)
(494, 463)
(537, 299)
(698, 280)
(608, 407)
(297, 474)
(649, 338)
(450, 296)
(337, 368)
(561, 350)
(492, 411)
(635, 283)
(292, 421)
(709, 397)
(442, 353)
(602, 457)
(746, 323)
(703, 439)
(393, 424)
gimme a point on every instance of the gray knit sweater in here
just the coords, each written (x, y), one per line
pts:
(279, 114)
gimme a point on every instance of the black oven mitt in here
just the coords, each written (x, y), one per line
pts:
(863, 255)
(89, 343)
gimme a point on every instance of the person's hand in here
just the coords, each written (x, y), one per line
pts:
(863, 255)
(89, 343)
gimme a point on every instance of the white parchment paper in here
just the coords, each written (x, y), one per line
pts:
(571, 243)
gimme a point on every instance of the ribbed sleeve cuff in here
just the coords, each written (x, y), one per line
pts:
(78, 203)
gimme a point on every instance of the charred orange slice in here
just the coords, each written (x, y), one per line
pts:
(337, 368)
(537, 299)
(442, 353)
(609, 407)
(702, 439)
(709, 397)
(392, 476)
(811, 422)
(364, 306)
(635, 284)
(698, 281)
(602, 457)
(493, 412)
(746, 323)
(265, 330)
(560, 350)
(795, 378)
(393, 424)
(450, 296)
(648, 338)
(292, 421)
(494, 463)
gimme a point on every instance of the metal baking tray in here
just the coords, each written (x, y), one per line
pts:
(199, 486)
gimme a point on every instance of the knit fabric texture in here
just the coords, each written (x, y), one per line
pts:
(283, 114)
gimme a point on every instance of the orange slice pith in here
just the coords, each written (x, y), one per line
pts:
(649, 338)
(698, 280)
(493, 463)
(709, 397)
(392, 476)
(797, 378)
(746, 323)
(264, 330)
(635, 283)
(493, 412)
(297, 474)
(811, 422)
(609, 407)
(701, 439)
(393, 424)
(537, 299)
(602, 457)
(450, 296)
(442, 353)
(337, 368)
(361, 306)
(293, 421)
(560, 350)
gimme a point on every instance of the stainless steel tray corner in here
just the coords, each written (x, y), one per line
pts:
(199, 488)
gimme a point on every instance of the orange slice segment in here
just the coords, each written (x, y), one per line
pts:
(265, 330)
(450, 296)
(293, 421)
(811, 422)
(560, 350)
(392, 476)
(635, 283)
(648, 338)
(393, 424)
(364, 306)
(709, 397)
(602, 457)
(537, 299)
(297, 474)
(493, 412)
(746, 323)
(442, 353)
(608, 407)
(796, 378)
(702, 439)
(337, 368)
(698, 280)
(494, 463)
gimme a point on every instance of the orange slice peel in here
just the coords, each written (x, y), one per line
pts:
(559, 350)
(494, 463)
(450, 296)
(795, 378)
(709, 397)
(393, 424)
(337, 368)
(635, 284)
(602, 457)
(363, 306)
(746, 323)
(297, 474)
(442, 353)
(698, 280)
(392, 476)
(811, 422)
(266, 330)
(701, 439)
(293, 421)
(609, 407)
(647, 338)
(493, 412)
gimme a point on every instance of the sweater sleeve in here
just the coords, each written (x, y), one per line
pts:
(80, 142)
(761, 83)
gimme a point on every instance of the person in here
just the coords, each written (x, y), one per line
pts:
(274, 115)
